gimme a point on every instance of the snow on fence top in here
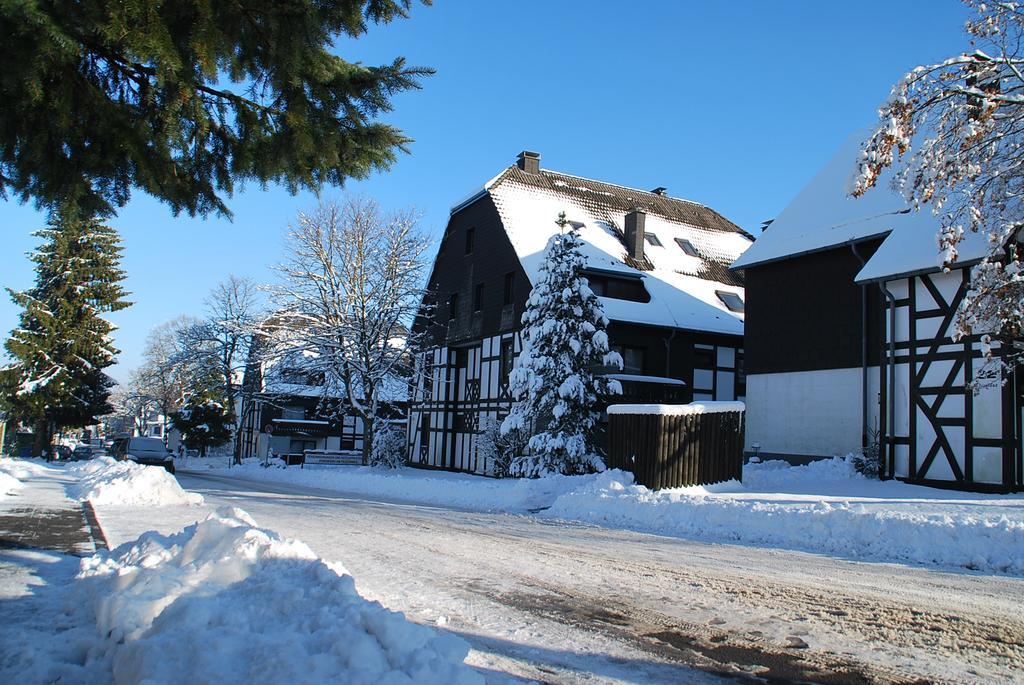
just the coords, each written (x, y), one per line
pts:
(677, 409)
(638, 378)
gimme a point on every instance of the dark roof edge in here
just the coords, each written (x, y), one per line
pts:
(804, 253)
(919, 272)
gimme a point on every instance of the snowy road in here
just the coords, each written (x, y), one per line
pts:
(562, 602)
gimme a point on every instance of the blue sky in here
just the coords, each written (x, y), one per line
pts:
(732, 104)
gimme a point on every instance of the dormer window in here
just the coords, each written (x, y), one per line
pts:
(687, 247)
(617, 286)
(652, 239)
(731, 300)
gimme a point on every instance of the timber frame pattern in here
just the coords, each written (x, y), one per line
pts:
(938, 431)
(457, 388)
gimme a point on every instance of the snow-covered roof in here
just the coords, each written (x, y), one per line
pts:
(682, 287)
(823, 216)
(911, 250)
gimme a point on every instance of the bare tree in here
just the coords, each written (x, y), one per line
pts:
(954, 131)
(350, 287)
(131, 407)
(167, 374)
(220, 344)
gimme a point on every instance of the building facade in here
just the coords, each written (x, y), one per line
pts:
(850, 342)
(659, 265)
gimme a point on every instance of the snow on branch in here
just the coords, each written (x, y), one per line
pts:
(954, 133)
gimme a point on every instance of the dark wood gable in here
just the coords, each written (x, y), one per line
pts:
(804, 313)
(476, 264)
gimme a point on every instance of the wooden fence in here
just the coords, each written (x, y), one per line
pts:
(668, 446)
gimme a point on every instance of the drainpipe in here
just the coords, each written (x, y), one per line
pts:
(891, 396)
(863, 353)
(668, 353)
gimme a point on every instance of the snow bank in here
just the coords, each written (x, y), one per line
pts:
(990, 540)
(824, 507)
(677, 409)
(22, 469)
(458, 490)
(13, 472)
(106, 481)
(8, 484)
(224, 601)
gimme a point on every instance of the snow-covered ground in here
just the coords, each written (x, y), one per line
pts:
(824, 507)
(220, 601)
(568, 602)
(534, 597)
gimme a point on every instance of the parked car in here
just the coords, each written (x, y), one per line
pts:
(148, 451)
(83, 453)
(60, 453)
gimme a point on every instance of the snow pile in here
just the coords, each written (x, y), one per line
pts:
(106, 481)
(8, 484)
(990, 540)
(13, 472)
(775, 474)
(226, 602)
(221, 601)
(22, 469)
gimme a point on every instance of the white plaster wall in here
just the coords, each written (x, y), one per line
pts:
(809, 413)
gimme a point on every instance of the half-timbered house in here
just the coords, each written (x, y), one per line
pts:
(658, 263)
(849, 341)
(287, 413)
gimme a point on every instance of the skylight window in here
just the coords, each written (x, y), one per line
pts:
(652, 239)
(687, 247)
(731, 300)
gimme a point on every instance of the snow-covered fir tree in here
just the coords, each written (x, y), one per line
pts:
(62, 344)
(204, 422)
(554, 383)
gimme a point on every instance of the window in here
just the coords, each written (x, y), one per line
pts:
(652, 239)
(703, 357)
(470, 237)
(508, 358)
(428, 378)
(478, 297)
(632, 359)
(687, 247)
(510, 287)
(731, 300)
(617, 287)
(453, 306)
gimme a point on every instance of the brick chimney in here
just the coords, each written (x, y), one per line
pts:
(635, 220)
(529, 162)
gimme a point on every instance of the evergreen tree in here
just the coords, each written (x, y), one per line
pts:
(63, 345)
(564, 339)
(183, 99)
(204, 422)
